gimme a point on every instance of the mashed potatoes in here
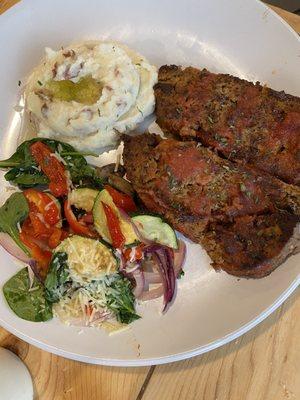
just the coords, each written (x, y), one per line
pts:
(89, 93)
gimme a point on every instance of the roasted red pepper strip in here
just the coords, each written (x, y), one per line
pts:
(43, 257)
(121, 200)
(77, 226)
(55, 238)
(52, 168)
(44, 204)
(44, 216)
(39, 231)
(134, 253)
(113, 223)
(88, 310)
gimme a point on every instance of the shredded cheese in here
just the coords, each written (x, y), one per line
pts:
(53, 202)
(73, 310)
(118, 161)
(88, 259)
(58, 157)
(42, 219)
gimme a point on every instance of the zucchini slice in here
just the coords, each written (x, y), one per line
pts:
(83, 198)
(155, 229)
(100, 219)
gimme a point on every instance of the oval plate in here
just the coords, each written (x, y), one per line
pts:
(245, 39)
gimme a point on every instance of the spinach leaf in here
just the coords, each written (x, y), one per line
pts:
(21, 156)
(82, 174)
(26, 178)
(14, 211)
(120, 300)
(26, 303)
(25, 173)
(58, 281)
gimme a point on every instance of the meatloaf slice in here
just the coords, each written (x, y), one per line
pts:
(243, 218)
(244, 122)
(253, 246)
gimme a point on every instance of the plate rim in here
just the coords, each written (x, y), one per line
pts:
(136, 362)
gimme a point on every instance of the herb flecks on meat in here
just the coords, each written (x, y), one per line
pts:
(242, 121)
(244, 218)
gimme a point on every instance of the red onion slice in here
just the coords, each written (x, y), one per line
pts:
(139, 283)
(121, 258)
(169, 255)
(151, 274)
(133, 268)
(152, 277)
(12, 248)
(179, 257)
(36, 270)
(164, 259)
(169, 263)
(152, 294)
(30, 276)
(98, 316)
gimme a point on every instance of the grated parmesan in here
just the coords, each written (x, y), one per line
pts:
(88, 259)
(58, 157)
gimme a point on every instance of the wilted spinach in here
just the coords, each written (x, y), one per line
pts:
(58, 281)
(120, 300)
(25, 172)
(27, 303)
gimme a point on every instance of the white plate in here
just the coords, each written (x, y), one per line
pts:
(241, 37)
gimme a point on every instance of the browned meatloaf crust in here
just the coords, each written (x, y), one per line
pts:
(244, 122)
(245, 219)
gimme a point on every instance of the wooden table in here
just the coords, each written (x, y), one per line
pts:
(264, 364)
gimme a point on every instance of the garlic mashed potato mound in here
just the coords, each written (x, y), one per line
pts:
(88, 259)
(89, 93)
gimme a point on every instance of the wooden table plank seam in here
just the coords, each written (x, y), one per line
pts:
(146, 383)
(261, 365)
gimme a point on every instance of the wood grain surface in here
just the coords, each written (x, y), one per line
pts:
(292, 19)
(6, 4)
(261, 365)
(264, 364)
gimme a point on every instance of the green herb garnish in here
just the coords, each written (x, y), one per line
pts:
(221, 139)
(172, 181)
(181, 274)
(244, 190)
(243, 187)
(140, 111)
